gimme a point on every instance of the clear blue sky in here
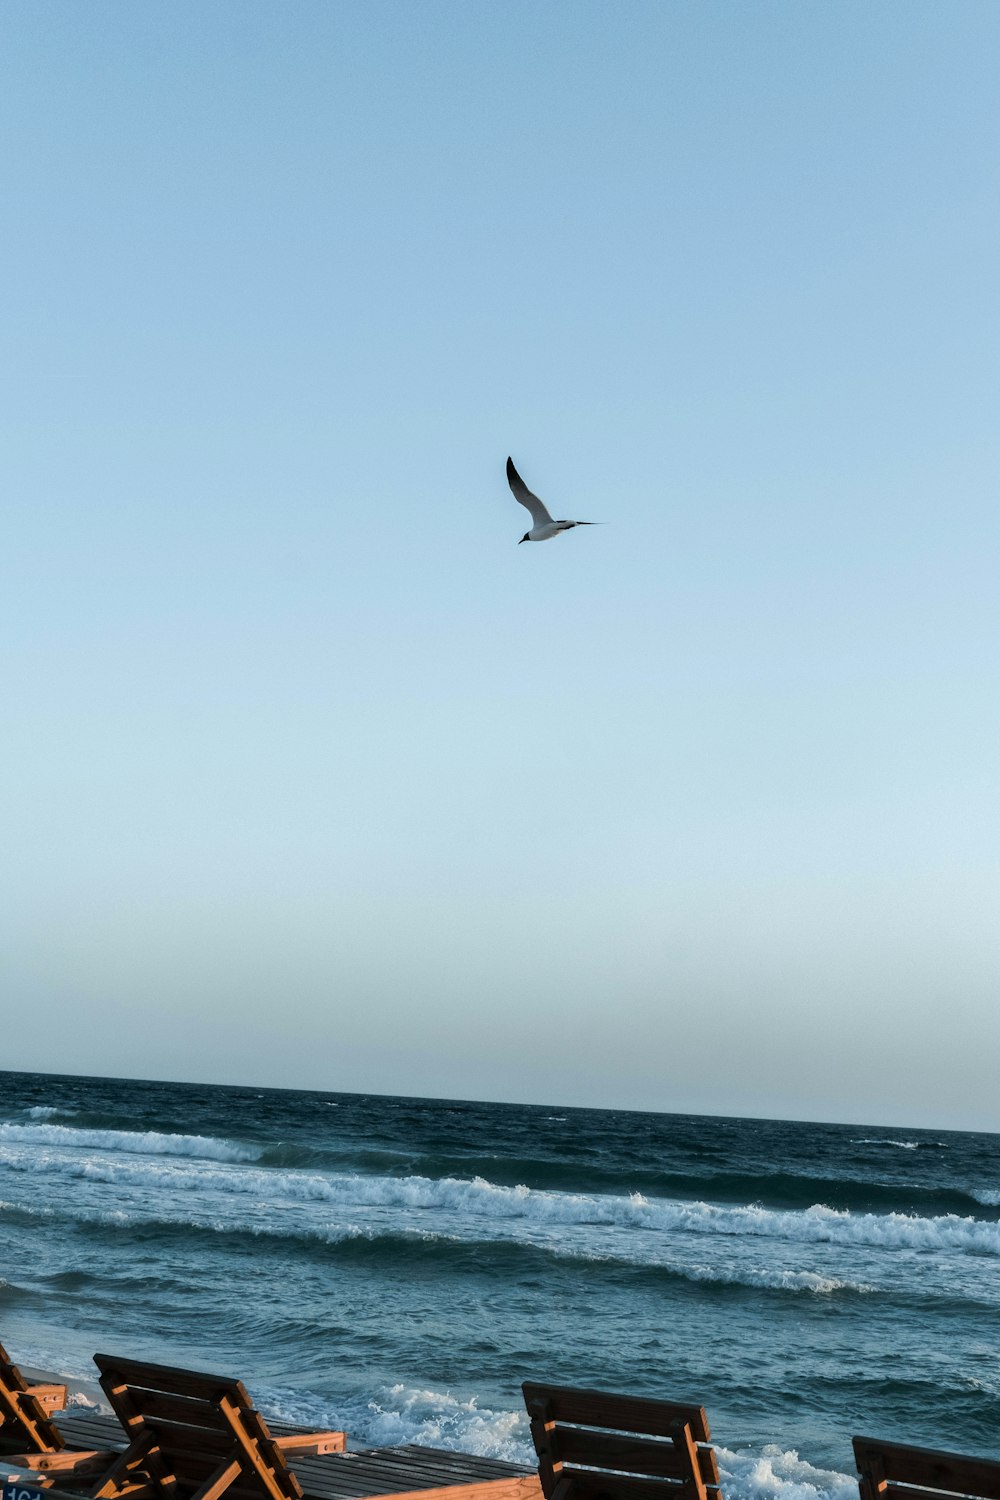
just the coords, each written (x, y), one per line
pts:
(312, 775)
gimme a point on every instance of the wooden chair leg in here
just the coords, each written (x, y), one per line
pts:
(127, 1466)
(220, 1481)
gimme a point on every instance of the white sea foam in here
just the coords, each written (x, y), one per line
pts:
(134, 1142)
(774, 1473)
(410, 1414)
(46, 1112)
(988, 1197)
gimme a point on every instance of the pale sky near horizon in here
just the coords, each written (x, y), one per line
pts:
(312, 776)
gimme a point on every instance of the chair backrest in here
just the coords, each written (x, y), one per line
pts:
(894, 1471)
(195, 1433)
(24, 1422)
(592, 1444)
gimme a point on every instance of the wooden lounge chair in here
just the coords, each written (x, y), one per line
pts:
(893, 1471)
(595, 1446)
(190, 1437)
(26, 1409)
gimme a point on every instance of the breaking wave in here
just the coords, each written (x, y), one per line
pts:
(479, 1199)
(134, 1142)
(406, 1250)
(781, 1189)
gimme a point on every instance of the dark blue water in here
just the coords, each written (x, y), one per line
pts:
(399, 1266)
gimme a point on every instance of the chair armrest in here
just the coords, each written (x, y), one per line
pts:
(49, 1397)
(302, 1443)
(91, 1461)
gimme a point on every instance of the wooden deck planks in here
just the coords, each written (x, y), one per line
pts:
(376, 1471)
(362, 1473)
(86, 1429)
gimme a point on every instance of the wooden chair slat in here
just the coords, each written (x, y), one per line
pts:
(140, 1375)
(893, 1491)
(190, 1410)
(638, 1414)
(194, 1465)
(651, 1457)
(585, 1484)
(173, 1437)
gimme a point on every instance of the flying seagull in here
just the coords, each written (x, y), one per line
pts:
(543, 525)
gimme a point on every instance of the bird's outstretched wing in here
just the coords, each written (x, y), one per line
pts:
(531, 502)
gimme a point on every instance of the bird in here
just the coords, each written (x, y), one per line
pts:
(544, 527)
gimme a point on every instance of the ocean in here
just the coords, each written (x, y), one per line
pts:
(398, 1266)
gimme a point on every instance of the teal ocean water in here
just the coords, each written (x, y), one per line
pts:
(398, 1266)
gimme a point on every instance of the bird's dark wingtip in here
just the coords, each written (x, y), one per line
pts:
(511, 471)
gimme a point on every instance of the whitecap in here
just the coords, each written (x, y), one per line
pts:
(777, 1279)
(134, 1142)
(881, 1140)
